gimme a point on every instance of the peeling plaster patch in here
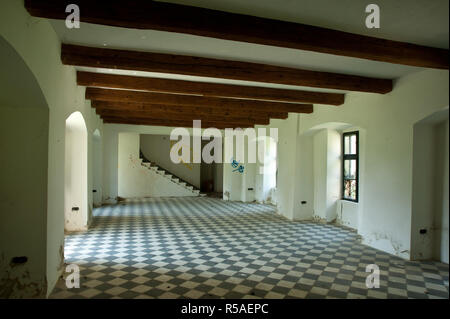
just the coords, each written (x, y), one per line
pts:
(342, 222)
(268, 200)
(359, 238)
(318, 219)
(73, 222)
(134, 162)
(395, 244)
(16, 281)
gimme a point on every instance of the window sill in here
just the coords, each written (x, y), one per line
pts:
(349, 200)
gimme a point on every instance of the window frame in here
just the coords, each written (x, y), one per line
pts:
(350, 157)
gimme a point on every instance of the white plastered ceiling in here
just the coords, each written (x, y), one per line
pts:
(416, 21)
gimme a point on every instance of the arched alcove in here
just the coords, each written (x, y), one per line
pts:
(321, 172)
(24, 127)
(430, 210)
(97, 169)
(76, 185)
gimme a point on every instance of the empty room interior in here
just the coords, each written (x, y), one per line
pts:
(224, 149)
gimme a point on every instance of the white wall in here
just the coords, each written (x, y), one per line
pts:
(320, 174)
(385, 216)
(327, 173)
(305, 188)
(252, 184)
(430, 189)
(347, 213)
(23, 187)
(334, 155)
(287, 163)
(233, 181)
(248, 189)
(441, 214)
(156, 148)
(36, 42)
(24, 126)
(265, 174)
(76, 183)
(423, 192)
(134, 180)
(97, 160)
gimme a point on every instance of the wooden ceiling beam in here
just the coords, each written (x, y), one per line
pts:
(114, 81)
(156, 15)
(225, 69)
(172, 123)
(199, 111)
(191, 100)
(181, 116)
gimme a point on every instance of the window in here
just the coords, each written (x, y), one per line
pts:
(350, 166)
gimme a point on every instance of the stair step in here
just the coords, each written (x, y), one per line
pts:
(154, 167)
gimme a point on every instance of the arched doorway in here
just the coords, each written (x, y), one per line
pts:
(24, 128)
(76, 185)
(97, 173)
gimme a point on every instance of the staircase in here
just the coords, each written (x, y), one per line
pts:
(168, 175)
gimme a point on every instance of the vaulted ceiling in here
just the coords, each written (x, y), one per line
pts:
(161, 63)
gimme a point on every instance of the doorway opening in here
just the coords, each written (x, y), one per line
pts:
(76, 185)
(211, 176)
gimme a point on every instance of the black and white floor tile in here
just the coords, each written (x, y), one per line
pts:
(208, 248)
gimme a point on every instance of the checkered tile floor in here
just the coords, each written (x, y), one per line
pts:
(209, 248)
